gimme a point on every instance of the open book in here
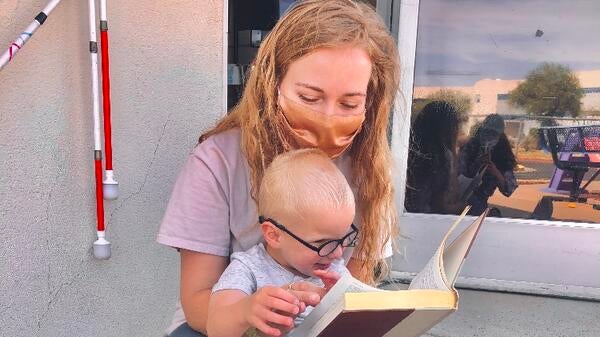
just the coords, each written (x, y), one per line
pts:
(354, 309)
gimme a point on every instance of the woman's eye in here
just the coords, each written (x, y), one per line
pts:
(349, 106)
(352, 105)
(308, 99)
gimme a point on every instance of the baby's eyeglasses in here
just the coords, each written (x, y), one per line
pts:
(328, 247)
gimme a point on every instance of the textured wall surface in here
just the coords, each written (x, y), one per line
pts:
(166, 76)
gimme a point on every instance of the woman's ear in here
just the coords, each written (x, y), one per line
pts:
(271, 234)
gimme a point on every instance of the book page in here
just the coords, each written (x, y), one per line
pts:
(456, 253)
(324, 312)
(358, 287)
(432, 276)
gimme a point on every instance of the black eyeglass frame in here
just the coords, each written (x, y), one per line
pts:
(340, 242)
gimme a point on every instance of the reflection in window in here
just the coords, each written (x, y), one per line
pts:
(524, 87)
(285, 4)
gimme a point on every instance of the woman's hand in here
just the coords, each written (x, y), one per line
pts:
(492, 169)
(484, 159)
(272, 309)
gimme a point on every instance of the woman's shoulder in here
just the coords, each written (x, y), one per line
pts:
(223, 145)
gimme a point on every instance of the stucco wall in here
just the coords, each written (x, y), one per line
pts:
(166, 72)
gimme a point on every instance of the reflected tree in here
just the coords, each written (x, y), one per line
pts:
(550, 90)
(460, 101)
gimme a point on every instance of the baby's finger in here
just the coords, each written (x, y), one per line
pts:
(266, 329)
(329, 277)
(308, 297)
(302, 306)
(284, 306)
(282, 294)
(275, 318)
(308, 287)
(284, 329)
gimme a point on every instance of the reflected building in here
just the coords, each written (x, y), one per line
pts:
(492, 96)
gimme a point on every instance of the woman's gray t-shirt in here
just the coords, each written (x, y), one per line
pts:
(211, 209)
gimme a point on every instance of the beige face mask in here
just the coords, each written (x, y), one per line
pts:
(309, 128)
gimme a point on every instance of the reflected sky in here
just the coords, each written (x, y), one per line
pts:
(283, 5)
(462, 41)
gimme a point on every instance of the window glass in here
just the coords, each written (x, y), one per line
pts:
(506, 109)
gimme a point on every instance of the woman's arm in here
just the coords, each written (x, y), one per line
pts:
(509, 183)
(199, 272)
(493, 170)
(226, 314)
(233, 312)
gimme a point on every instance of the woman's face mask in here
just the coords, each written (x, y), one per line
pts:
(333, 134)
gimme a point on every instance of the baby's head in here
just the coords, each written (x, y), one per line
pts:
(303, 194)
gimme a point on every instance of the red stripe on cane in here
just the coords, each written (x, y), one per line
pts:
(106, 99)
(10, 50)
(99, 196)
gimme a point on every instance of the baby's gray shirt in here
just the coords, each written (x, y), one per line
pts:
(255, 268)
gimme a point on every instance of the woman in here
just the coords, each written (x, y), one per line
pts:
(489, 151)
(325, 77)
(432, 183)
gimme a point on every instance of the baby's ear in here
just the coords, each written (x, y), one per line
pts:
(271, 234)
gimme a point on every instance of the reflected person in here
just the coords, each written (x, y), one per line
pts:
(489, 152)
(432, 178)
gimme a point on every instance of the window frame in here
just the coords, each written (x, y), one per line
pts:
(540, 257)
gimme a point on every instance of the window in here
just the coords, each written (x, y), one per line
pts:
(518, 88)
(463, 42)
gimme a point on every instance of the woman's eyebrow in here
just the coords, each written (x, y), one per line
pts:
(312, 87)
(352, 94)
(317, 89)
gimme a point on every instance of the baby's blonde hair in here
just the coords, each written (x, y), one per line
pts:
(300, 180)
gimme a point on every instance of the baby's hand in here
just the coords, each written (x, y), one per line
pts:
(329, 277)
(270, 307)
(308, 293)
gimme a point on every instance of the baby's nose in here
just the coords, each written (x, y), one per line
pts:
(337, 253)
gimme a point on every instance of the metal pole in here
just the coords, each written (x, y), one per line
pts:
(20, 41)
(101, 247)
(110, 186)
(521, 127)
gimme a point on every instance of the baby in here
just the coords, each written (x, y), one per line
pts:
(306, 211)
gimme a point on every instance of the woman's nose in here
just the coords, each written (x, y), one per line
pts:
(329, 108)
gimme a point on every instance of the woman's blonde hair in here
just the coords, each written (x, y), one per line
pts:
(308, 26)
